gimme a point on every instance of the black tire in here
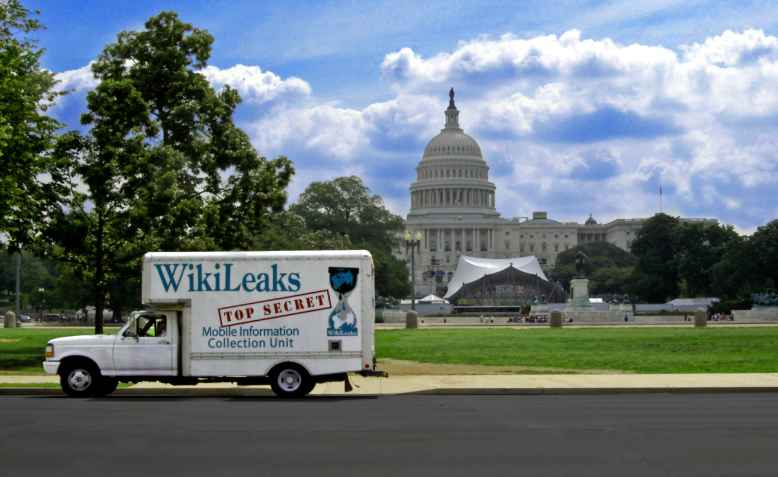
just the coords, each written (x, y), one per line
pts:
(309, 388)
(290, 380)
(80, 379)
(106, 386)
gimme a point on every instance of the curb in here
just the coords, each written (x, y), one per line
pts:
(249, 393)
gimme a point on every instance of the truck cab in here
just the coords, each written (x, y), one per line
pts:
(146, 346)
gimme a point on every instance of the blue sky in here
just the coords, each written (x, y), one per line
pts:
(579, 106)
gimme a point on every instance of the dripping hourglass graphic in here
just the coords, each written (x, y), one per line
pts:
(342, 320)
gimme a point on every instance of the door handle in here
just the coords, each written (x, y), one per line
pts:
(164, 342)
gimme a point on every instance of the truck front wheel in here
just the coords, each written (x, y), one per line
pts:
(290, 380)
(80, 379)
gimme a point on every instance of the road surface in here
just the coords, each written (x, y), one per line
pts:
(532, 435)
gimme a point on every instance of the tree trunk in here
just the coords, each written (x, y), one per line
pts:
(99, 288)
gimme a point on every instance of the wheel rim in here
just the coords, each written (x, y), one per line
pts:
(289, 380)
(79, 379)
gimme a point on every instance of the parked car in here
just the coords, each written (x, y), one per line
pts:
(53, 317)
(23, 318)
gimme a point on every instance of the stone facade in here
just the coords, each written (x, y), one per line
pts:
(453, 206)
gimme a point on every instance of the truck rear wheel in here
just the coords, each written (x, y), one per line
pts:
(290, 380)
(80, 379)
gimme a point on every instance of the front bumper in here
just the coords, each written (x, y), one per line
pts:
(50, 367)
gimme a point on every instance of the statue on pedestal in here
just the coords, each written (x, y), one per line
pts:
(581, 259)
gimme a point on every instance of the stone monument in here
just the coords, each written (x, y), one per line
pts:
(10, 319)
(580, 284)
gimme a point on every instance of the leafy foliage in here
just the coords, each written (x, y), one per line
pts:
(164, 166)
(26, 132)
(656, 278)
(609, 268)
(346, 207)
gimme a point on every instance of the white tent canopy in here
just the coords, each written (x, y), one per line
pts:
(432, 299)
(470, 269)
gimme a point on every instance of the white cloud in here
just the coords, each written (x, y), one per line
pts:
(79, 79)
(569, 124)
(256, 86)
(332, 132)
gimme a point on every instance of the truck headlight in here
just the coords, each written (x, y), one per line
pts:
(49, 350)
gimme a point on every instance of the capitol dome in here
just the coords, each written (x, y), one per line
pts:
(452, 143)
(453, 177)
(452, 140)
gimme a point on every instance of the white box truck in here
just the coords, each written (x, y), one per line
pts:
(288, 319)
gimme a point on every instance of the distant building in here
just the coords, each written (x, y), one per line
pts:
(453, 206)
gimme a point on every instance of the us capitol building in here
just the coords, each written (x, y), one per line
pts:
(453, 208)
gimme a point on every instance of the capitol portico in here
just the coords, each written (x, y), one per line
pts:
(453, 206)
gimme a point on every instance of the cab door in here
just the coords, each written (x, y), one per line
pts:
(147, 346)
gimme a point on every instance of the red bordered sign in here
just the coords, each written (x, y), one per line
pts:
(275, 308)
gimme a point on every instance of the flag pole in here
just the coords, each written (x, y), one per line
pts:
(661, 210)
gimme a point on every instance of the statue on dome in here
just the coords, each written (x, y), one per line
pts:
(451, 98)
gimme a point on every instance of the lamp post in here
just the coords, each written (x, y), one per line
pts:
(412, 242)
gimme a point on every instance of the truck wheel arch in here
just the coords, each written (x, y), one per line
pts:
(280, 364)
(68, 361)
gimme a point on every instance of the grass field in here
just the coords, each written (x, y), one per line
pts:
(21, 349)
(586, 350)
(519, 350)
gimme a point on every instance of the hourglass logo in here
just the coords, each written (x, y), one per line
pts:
(342, 320)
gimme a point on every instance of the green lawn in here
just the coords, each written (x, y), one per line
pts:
(637, 350)
(21, 349)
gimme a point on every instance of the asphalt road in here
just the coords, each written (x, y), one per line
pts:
(577, 435)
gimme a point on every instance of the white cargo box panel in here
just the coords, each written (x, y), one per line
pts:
(244, 312)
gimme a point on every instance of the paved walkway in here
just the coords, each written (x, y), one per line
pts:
(498, 384)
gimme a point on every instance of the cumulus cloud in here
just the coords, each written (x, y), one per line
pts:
(569, 124)
(77, 80)
(327, 130)
(256, 86)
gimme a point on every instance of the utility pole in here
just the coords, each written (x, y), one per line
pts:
(18, 282)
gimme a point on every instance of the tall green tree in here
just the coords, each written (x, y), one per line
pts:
(26, 132)
(655, 278)
(608, 267)
(346, 206)
(699, 247)
(164, 164)
(764, 247)
(736, 275)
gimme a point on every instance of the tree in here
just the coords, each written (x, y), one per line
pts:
(287, 231)
(698, 248)
(655, 278)
(26, 133)
(609, 268)
(345, 206)
(164, 165)
(764, 252)
(736, 275)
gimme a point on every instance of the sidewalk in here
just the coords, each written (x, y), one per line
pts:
(459, 384)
